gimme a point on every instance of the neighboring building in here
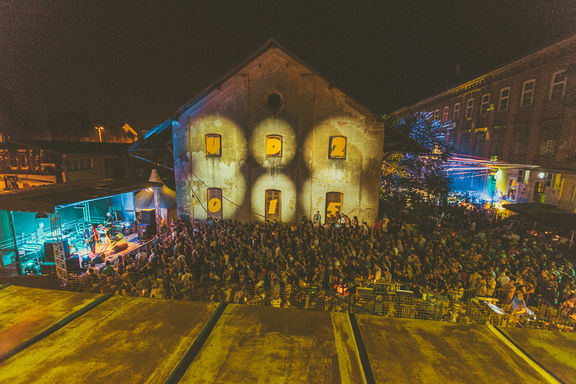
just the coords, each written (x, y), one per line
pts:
(28, 163)
(274, 140)
(522, 117)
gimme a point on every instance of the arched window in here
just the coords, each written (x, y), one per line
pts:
(213, 145)
(273, 146)
(337, 147)
(273, 205)
(214, 203)
(334, 202)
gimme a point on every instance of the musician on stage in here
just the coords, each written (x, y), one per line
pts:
(92, 237)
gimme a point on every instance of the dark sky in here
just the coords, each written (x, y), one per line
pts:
(111, 61)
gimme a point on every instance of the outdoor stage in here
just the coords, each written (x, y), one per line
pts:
(61, 229)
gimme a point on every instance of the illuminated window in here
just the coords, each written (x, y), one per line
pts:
(273, 146)
(273, 205)
(445, 113)
(512, 189)
(456, 113)
(485, 104)
(213, 145)
(469, 108)
(527, 92)
(504, 97)
(337, 147)
(558, 85)
(436, 114)
(333, 204)
(214, 205)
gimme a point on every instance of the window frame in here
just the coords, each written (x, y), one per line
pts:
(445, 113)
(329, 200)
(279, 154)
(456, 112)
(212, 193)
(277, 216)
(553, 84)
(469, 108)
(331, 138)
(436, 114)
(525, 92)
(213, 135)
(502, 98)
(484, 104)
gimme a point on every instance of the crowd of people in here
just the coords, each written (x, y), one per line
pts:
(451, 251)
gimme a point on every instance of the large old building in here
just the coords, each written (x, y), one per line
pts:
(521, 118)
(274, 140)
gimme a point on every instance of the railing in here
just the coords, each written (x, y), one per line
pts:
(388, 303)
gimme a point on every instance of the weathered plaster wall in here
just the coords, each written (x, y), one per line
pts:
(311, 112)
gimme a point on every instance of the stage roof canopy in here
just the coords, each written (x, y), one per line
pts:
(46, 198)
(545, 213)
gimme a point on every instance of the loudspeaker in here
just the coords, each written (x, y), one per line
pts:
(48, 268)
(50, 250)
(149, 217)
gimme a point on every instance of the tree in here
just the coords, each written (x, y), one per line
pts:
(413, 177)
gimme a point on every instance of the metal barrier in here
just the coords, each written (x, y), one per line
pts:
(386, 303)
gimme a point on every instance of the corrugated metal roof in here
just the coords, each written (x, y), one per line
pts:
(46, 198)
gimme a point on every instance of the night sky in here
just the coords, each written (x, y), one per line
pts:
(85, 62)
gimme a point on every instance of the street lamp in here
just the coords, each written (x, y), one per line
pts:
(99, 128)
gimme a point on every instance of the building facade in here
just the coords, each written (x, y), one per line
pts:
(273, 140)
(29, 163)
(521, 118)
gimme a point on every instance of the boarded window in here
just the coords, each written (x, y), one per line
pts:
(337, 148)
(273, 146)
(214, 205)
(273, 205)
(213, 145)
(333, 204)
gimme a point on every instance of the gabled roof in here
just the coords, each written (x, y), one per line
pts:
(269, 44)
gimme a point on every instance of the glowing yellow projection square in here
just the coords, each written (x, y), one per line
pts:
(272, 207)
(213, 145)
(337, 148)
(273, 146)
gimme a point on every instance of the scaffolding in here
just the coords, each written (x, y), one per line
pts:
(59, 254)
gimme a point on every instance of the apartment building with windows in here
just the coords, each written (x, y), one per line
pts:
(520, 118)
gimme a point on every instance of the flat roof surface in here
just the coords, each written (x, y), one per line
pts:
(553, 350)
(123, 340)
(21, 316)
(45, 198)
(425, 351)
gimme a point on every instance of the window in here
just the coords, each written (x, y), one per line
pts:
(548, 142)
(273, 146)
(213, 145)
(214, 203)
(512, 189)
(504, 97)
(558, 85)
(23, 160)
(273, 205)
(479, 143)
(498, 137)
(333, 204)
(465, 142)
(445, 112)
(485, 104)
(337, 147)
(436, 114)
(520, 141)
(527, 92)
(456, 112)
(469, 108)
